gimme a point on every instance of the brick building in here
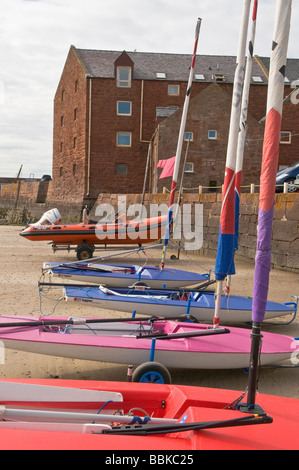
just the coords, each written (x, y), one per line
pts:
(110, 105)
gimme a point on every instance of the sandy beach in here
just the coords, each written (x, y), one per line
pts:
(21, 264)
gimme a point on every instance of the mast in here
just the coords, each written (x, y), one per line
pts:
(225, 252)
(243, 120)
(179, 146)
(267, 184)
(243, 127)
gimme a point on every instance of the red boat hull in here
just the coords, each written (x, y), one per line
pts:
(191, 404)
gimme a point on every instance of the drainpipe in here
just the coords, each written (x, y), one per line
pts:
(89, 135)
(141, 114)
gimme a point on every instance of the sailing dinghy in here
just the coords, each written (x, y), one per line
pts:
(174, 344)
(120, 275)
(88, 415)
(200, 304)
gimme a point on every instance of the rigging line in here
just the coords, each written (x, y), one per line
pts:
(41, 294)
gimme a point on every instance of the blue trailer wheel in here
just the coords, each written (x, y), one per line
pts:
(151, 372)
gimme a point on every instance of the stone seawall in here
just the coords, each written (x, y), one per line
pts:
(20, 204)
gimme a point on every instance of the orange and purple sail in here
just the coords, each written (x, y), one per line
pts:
(270, 158)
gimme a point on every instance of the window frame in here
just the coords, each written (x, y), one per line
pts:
(173, 86)
(285, 142)
(124, 165)
(120, 82)
(123, 114)
(124, 133)
(209, 135)
(186, 139)
(191, 167)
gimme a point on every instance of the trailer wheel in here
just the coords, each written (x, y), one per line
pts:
(84, 251)
(151, 372)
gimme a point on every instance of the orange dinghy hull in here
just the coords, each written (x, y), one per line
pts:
(120, 233)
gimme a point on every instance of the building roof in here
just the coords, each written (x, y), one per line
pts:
(176, 67)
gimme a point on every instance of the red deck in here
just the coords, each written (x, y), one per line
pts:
(170, 401)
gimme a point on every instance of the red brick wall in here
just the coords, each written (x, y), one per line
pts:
(70, 165)
(69, 160)
(209, 156)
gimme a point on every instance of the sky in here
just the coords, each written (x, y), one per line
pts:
(35, 37)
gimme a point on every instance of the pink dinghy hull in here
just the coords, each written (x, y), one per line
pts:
(118, 343)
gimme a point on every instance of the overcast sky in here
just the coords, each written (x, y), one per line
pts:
(35, 37)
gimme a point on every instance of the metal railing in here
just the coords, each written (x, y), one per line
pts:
(251, 188)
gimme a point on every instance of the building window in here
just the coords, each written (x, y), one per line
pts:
(257, 79)
(189, 167)
(124, 76)
(124, 108)
(75, 114)
(74, 169)
(188, 136)
(61, 146)
(121, 169)
(74, 142)
(76, 85)
(160, 75)
(62, 95)
(199, 76)
(62, 121)
(219, 77)
(285, 137)
(212, 135)
(124, 139)
(174, 90)
(60, 170)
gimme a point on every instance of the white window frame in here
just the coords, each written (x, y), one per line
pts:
(172, 88)
(199, 76)
(160, 75)
(289, 135)
(257, 79)
(186, 139)
(189, 167)
(209, 135)
(123, 83)
(123, 133)
(123, 114)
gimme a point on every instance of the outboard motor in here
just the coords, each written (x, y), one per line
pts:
(51, 217)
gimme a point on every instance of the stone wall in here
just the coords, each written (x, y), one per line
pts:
(19, 205)
(285, 237)
(26, 201)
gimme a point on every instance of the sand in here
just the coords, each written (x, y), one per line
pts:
(21, 263)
